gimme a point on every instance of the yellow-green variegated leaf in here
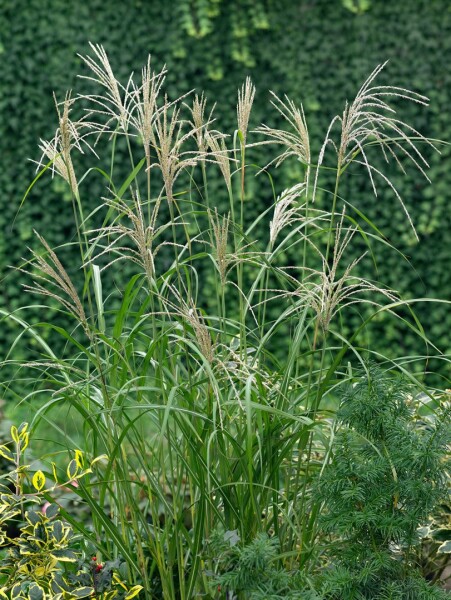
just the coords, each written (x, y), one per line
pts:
(64, 555)
(6, 453)
(72, 470)
(55, 475)
(445, 548)
(38, 480)
(23, 427)
(102, 457)
(133, 592)
(14, 434)
(35, 592)
(84, 592)
(25, 438)
(16, 591)
(79, 459)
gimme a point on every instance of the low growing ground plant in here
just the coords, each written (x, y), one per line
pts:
(213, 417)
(387, 476)
(43, 561)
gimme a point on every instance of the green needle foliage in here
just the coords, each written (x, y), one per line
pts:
(387, 475)
(254, 570)
(203, 425)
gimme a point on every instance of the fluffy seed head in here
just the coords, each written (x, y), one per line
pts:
(297, 142)
(245, 100)
(286, 211)
(370, 120)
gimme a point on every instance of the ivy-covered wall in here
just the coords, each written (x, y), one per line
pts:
(316, 51)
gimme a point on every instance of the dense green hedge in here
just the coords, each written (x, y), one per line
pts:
(316, 51)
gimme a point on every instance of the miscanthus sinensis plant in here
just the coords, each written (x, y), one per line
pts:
(206, 426)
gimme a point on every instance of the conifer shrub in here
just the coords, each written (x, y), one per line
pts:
(386, 477)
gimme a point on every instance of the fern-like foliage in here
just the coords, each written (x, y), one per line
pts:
(387, 476)
(254, 571)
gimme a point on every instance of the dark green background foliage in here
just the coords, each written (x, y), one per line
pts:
(316, 51)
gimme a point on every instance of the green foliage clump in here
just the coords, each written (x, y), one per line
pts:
(254, 570)
(44, 561)
(387, 476)
(203, 425)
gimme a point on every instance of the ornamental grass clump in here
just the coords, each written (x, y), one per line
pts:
(212, 414)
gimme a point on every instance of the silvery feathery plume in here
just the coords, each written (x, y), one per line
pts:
(168, 139)
(115, 102)
(143, 108)
(333, 292)
(210, 142)
(245, 100)
(142, 235)
(53, 275)
(191, 315)
(220, 155)
(220, 227)
(200, 122)
(66, 138)
(296, 143)
(286, 211)
(325, 291)
(370, 120)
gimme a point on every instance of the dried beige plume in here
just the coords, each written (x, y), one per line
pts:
(369, 121)
(220, 227)
(114, 103)
(296, 143)
(331, 292)
(325, 290)
(142, 235)
(188, 311)
(220, 155)
(245, 100)
(168, 140)
(200, 122)
(67, 137)
(53, 275)
(143, 108)
(286, 211)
